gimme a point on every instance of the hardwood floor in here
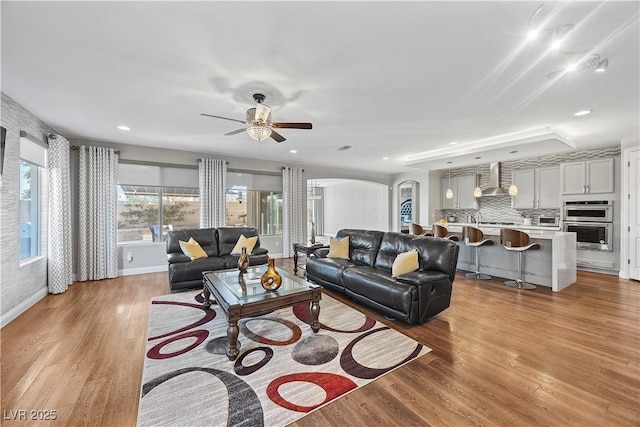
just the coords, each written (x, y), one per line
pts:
(500, 357)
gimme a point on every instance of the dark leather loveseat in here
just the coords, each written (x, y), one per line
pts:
(366, 276)
(217, 243)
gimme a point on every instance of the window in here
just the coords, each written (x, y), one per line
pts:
(29, 210)
(154, 199)
(148, 213)
(253, 208)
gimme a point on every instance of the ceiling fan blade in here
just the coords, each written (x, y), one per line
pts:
(233, 132)
(220, 117)
(275, 135)
(291, 125)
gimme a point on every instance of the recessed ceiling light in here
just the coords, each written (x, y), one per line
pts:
(385, 158)
(582, 113)
(124, 128)
(293, 151)
(453, 143)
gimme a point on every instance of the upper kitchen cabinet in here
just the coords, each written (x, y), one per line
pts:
(462, 187)
(588, 177)
(537, 188)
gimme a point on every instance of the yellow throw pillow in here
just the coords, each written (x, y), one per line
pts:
(244, 242)
(192, 249)
(339, 248)
(405, 262)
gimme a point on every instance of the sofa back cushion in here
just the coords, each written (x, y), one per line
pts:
(207, 238)
(228, 237)
(391, 245)
(363, 245)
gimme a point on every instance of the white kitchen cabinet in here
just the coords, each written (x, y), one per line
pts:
(588, 177)
(462, 187)
(537, 188)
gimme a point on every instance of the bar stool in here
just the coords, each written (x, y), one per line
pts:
(440, 231)
(416, 229)
(518, 241)
(474, 238)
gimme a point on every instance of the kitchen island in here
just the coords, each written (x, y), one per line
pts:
(553, 265)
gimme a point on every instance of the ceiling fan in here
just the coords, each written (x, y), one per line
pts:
(259, 124)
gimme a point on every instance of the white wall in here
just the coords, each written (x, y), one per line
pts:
(355, 204)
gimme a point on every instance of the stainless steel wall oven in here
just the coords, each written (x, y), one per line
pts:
(592, 221)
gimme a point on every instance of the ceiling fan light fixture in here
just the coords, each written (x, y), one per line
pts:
(262, 113)
(259, 132)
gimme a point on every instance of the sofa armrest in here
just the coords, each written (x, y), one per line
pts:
(419, 278)
(175, 257)
(321, 252)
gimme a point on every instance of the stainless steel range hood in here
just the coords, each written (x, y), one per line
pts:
(495, 176)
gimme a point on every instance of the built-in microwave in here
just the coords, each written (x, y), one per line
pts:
(592, 235)
(588, 210)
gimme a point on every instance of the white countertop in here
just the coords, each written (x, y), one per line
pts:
(535, 232)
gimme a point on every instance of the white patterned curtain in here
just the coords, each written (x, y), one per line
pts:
(293, 213)
(212, 175)
(59, 257)
(97, 222)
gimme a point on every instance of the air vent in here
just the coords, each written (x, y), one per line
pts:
(344, 148)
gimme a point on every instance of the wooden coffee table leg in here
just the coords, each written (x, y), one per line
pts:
(207, 297)
(232, 335)
(315, 314)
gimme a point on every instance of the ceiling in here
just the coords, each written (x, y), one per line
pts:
(392, 79)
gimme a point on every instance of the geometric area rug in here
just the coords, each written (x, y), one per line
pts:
(284, 370)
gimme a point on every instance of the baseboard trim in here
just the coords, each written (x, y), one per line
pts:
(22, 307)
(143, 270)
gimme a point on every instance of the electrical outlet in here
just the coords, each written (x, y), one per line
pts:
(129, 256)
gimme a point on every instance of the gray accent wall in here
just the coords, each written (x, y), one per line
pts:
(21, 286)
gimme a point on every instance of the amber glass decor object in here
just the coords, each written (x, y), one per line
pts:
(243, 261)
(271, 279)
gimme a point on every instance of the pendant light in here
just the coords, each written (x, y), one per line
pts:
(477, 192)
(513, 188)
(449, 193)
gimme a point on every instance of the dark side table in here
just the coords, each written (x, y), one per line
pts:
(304, 248)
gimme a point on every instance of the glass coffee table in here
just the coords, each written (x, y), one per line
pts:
(241, 296)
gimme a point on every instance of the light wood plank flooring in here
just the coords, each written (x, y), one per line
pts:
(500, 357)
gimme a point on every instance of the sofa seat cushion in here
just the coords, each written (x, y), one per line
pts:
(378, 285)
(192, 270)
(328, 269)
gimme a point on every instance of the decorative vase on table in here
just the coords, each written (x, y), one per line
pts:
(313, 233)
(243, 261)
(271, 279)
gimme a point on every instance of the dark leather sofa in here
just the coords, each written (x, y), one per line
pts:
(217, 243)
(366, 276)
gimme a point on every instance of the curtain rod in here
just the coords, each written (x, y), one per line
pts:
(226, 163)
(75, 147)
